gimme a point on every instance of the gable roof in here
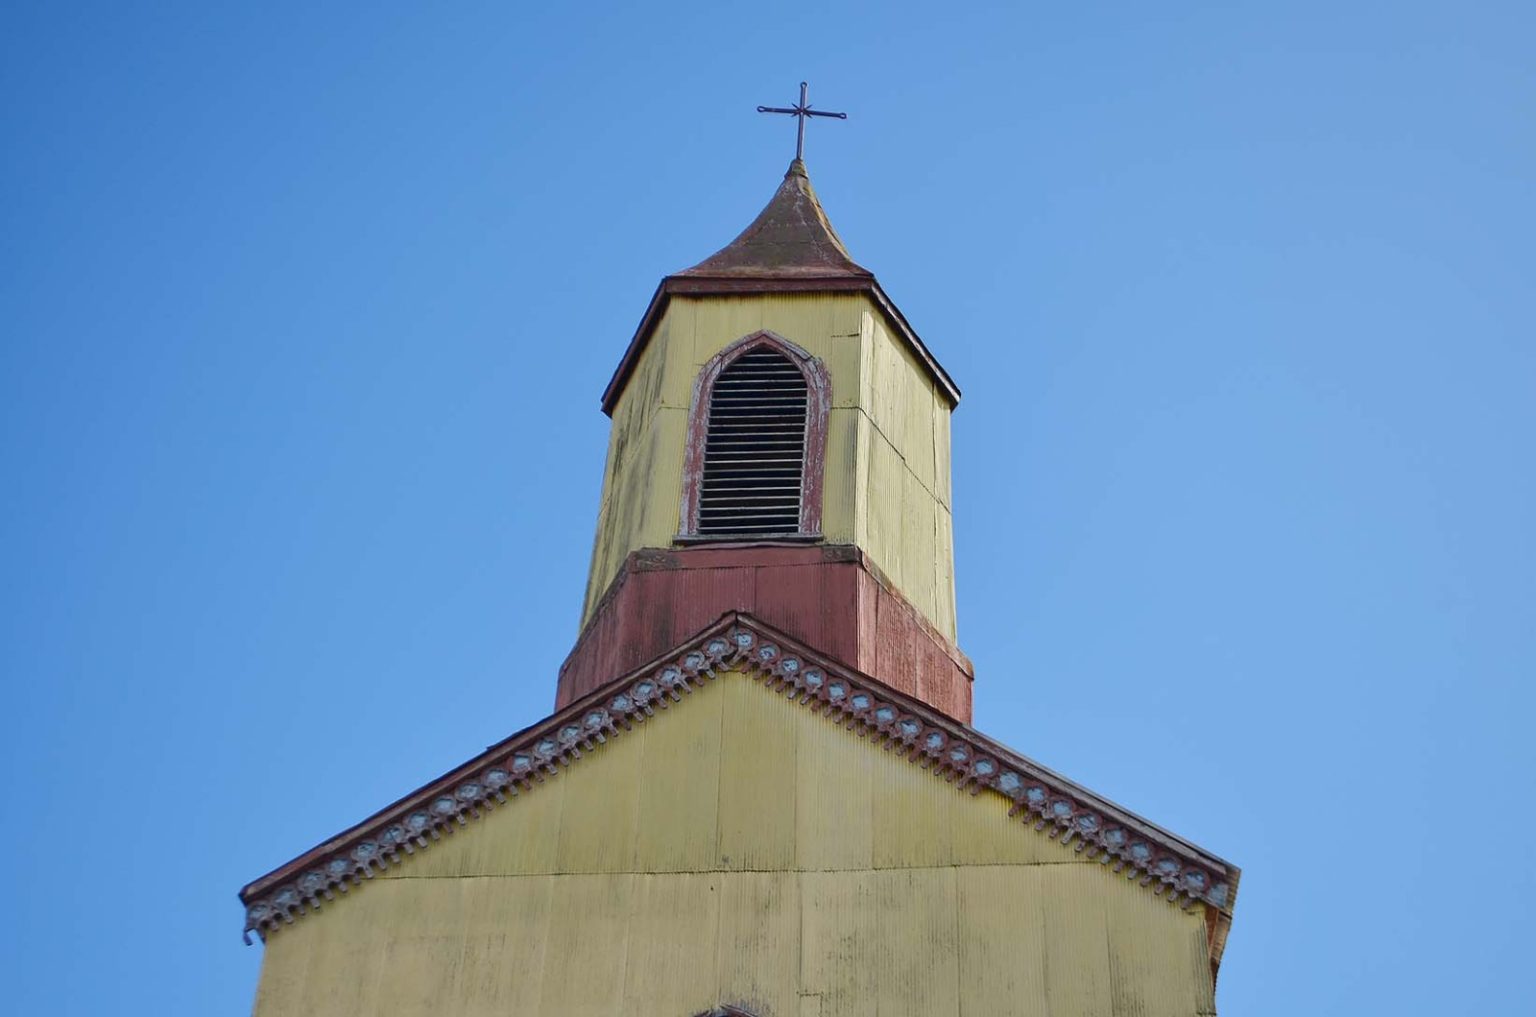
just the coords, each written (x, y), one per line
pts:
(1166, 864)
(790, 247)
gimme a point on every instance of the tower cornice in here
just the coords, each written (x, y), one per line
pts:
(700, 286)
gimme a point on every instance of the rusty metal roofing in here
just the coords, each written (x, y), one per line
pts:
(790, 247)
(790, 239)
(1170, 867)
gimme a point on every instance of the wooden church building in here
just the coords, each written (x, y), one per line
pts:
(759, 792)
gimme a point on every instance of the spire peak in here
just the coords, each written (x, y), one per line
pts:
(791, 238)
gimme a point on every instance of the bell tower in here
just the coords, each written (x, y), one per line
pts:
(780, 445)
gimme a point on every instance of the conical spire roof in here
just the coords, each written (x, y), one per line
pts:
(790, 239)
(790, 247)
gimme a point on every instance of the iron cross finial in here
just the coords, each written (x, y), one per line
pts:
(800, 112)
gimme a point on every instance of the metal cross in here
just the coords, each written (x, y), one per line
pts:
(800, 112)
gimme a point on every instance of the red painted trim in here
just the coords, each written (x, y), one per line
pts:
(818, 403)
(830, 596)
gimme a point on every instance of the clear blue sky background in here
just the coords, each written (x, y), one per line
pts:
(306, 312)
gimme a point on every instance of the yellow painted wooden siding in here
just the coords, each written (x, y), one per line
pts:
(740, 848)
(887, 483)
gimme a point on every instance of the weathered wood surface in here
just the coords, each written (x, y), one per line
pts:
(749, 851)
(886, 485)
(829, 597)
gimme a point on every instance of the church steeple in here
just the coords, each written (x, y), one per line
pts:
(747, 732)
(780, 445)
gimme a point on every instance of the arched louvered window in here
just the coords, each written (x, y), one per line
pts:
(756, 444)
(754, 452)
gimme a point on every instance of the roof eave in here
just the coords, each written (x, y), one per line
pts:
(736, 285)
(1027, 773)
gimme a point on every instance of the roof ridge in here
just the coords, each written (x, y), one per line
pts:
(1174, 868)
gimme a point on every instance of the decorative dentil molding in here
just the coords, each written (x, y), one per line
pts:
(1170, 867)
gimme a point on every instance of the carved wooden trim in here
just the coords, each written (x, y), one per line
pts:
(1171, 867)
(817, 405)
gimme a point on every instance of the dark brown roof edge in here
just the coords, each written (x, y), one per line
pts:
(1172, 867)
(696, 286)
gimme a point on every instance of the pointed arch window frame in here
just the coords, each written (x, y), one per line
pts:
(818, 387)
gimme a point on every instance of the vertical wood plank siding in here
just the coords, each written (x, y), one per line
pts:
(753, 852)
(886, 482)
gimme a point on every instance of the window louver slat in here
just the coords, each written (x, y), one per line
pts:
(754, 451)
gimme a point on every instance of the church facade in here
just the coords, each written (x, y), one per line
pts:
(759, 792)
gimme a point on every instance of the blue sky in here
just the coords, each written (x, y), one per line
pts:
(304, 315)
